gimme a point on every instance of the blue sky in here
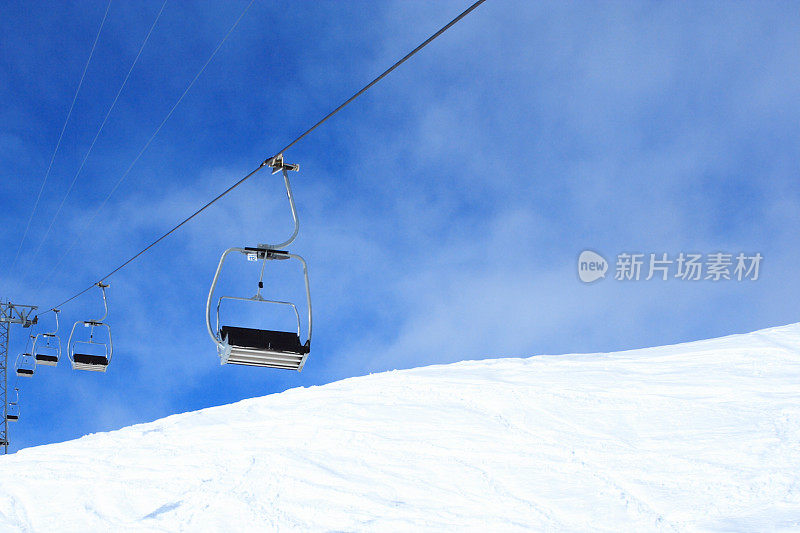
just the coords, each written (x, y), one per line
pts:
(442, 213)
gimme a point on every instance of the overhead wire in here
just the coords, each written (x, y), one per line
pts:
(102, 125)
(268, 161)
(141, 152)
(384, 74)
(58, 143)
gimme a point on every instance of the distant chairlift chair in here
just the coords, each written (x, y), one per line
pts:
(12, 410)
(92, 354)
(26, 365)
(47, 346)
(263, 347)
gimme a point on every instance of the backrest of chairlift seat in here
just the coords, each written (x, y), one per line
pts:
(263, 339)
(26, 361)
(47, 350)
(46, 357)
(89, 359)
(88, 350)
(50, 342)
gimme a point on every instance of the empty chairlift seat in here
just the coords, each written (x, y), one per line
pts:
(92, 353)
(12, 409)
(46, 359)
(26, 365)
(85, 361)
(47, 346)
(263, 347)
(48, 352)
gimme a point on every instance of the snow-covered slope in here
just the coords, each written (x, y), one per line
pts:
(704, 435)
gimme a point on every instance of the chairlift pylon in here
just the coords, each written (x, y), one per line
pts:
(92, 354)
(47, 346)
(263, 347)
(12, 409)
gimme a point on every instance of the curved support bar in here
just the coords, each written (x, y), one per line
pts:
(308, 291)
(211, 333)
(293, 236)
(105, 302)
(54, 333)
(110, 343)
(70, 345)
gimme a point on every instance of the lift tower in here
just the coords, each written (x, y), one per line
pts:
(10, 314)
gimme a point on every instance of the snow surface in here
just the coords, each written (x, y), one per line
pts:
(698, 436)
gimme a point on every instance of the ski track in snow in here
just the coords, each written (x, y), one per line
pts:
(698, 436)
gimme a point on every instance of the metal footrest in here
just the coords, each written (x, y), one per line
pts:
(253, 357)
(95, 363)
(93, 368)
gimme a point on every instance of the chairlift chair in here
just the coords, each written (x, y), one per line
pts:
(47, 346)
(92, 354)
(12, 409)
(263, 347)
(26, 365)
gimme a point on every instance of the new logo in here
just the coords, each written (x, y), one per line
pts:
(591, 266)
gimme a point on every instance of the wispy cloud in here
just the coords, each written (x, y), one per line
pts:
(441, 214)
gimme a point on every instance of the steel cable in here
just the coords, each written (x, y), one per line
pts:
(269, 160)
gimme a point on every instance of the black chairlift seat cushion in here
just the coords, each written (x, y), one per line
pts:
(46, 357)
(86, 359)
(12, 417)
(264, 339)
(25, 371)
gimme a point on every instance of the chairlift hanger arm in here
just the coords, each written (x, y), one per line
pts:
(53, 333)
(103, 287)
(278, 165)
